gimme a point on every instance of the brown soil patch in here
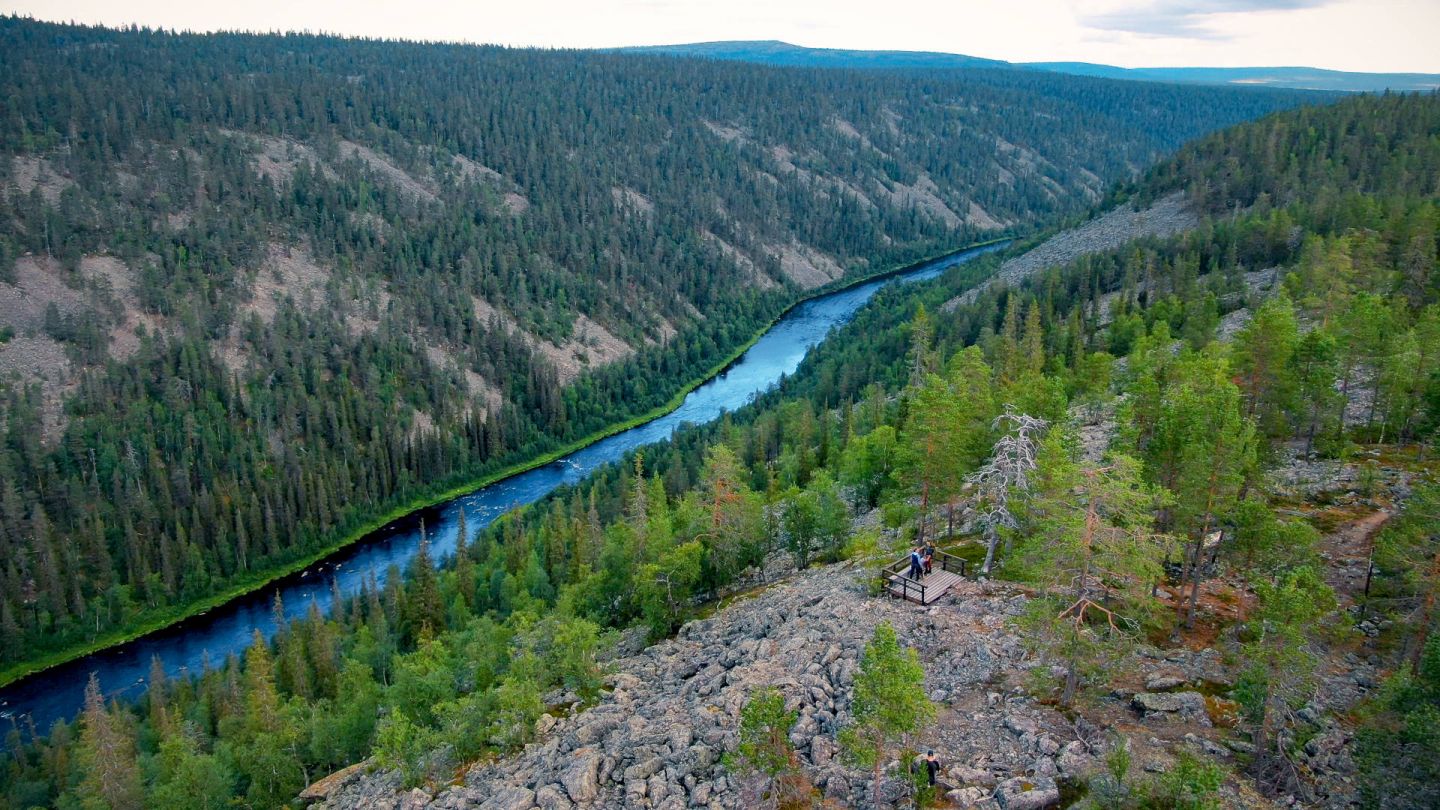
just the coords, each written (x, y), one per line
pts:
(632, 201)
(1223, 602)
(807, 267)
(1348, 551)
(29, 359)
(741, 260)
(980, 218)
(848, 129)
(30, 173)
(287, 272)
(728, 134)
(925, 195)
(590, 344)
(118, 279)
(511, 199)
(387, 169)
(277, 159)
(38, 283)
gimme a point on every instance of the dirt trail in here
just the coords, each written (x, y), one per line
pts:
(1348, 550)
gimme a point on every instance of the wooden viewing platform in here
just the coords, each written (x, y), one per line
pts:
(945, 571)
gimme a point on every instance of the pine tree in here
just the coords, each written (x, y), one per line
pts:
(1281, 675)
(1409, 549)
(464, 564)
(1086, 539)
(1006, 477)
(764, 750)
(922, 353)
(933, 447)
(1264, 358)
(665, 586)
(190, 779)
(889, 703)
(735, 531)
(1314, 366)
(1202, 449)
(868, 464)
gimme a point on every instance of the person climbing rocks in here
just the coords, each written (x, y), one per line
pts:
(932, 767)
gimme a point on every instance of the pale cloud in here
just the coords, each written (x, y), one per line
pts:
(1184, 19)
(1373, 35)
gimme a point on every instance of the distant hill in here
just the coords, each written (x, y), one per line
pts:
(1298, 78)
(773, 52)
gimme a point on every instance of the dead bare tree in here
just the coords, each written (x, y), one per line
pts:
(1005, 474)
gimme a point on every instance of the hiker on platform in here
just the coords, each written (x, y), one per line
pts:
(917, 564)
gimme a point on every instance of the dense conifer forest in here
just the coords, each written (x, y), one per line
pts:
(259, 291)
(1327, 248)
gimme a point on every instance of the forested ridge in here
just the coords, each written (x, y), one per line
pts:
(256, 291)
(1294, 326)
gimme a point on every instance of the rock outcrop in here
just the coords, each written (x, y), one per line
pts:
(657, 737)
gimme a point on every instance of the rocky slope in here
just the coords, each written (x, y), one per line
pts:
(657, 738)
(1165, 217)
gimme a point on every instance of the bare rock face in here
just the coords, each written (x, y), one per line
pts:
(657, 738)
(1027, 794)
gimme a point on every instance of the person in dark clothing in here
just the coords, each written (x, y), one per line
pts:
(917, 569)
(928, 557)
(932, 767)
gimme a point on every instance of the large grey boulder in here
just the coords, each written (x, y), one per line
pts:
(1190, 705)
(509, 797)
(581, 778)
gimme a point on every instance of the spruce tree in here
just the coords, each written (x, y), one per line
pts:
(110, 774)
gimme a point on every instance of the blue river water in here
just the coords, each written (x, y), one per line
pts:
(186, 647)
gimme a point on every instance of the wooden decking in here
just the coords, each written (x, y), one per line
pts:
(945, 571)
(935, 585)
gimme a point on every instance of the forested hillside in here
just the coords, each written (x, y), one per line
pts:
(1182, 381)
(258, 291)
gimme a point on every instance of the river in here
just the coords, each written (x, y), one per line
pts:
(186, 647)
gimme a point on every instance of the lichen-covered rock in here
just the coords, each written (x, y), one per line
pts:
(1032, 793)
(1163, 683)
(1189, 705)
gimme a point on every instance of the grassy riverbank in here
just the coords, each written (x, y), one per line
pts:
(161, 618)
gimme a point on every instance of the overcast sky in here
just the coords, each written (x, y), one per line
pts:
(1364, 35)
